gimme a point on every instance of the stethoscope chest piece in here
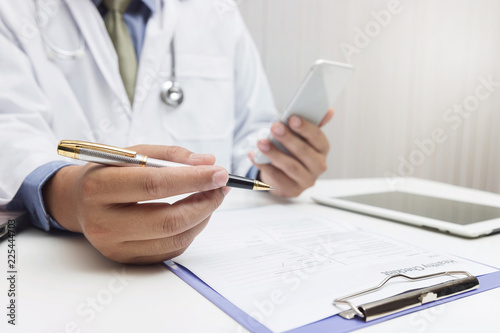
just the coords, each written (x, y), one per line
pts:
(172, 94)
(171, 91)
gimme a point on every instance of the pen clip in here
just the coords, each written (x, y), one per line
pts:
(71, 149)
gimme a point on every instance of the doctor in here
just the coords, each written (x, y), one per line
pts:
(100, 71)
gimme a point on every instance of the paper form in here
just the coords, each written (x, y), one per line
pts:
(284, 267)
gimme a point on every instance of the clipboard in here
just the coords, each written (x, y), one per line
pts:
(332, 324)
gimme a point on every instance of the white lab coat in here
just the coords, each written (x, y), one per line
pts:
(42, 101)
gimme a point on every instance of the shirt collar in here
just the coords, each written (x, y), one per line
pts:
(151, 4)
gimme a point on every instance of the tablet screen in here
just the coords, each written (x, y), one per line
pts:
(458, 212)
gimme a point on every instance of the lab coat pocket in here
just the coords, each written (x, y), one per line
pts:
(207, 112)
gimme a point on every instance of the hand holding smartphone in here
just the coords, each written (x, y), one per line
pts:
(315, 97)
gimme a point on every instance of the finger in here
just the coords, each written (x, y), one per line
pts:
(311, 133)
(326, 119)
(148, 260)
(130, 184)
(160, 220)
(289, 165)
(283, 185)
(163, 247)
(307, 155)
(174, 154)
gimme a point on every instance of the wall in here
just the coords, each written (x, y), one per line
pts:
(425, 99)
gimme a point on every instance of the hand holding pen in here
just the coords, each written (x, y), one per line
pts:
(109, 155)
(103, 203)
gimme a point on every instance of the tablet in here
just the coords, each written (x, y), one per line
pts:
(463, 218)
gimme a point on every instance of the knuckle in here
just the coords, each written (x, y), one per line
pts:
(175, 151)
(89, 187)
(208, 202)
(153, 184)
(131, 261)
(327, 146)
(292, 193)
(293, 168)
(177, 253)
(172, 149)
(200, 199)
(172, 223)
(109, 250)
(181, 241)
(218, 199)
(198, 177)
(112, 254)
(323, 166)
(271, 172)
(302, 148)
(200, 174)
(318, 135)
(298, 191)
(214, 198)
(95, 231)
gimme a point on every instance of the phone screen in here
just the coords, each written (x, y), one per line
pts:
(458, 212)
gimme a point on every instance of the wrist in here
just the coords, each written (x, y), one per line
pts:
(59, 199)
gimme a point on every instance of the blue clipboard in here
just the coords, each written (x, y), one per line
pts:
(328, 325)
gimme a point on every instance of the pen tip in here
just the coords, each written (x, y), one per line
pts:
(260, 186)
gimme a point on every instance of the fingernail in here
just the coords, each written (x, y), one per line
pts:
(220, 178)
(278, 129)
(226, 190)
(295, 122)
(199, 157)
(264, 145)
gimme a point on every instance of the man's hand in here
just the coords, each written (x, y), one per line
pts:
(290, 175)
(102, 203)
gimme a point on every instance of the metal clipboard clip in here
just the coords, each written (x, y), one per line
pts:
(408, 299)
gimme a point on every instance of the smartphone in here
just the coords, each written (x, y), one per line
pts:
(315, 96)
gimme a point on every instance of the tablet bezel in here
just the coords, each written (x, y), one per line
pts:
(472, 230)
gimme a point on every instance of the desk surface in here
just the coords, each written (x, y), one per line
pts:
(65, 285)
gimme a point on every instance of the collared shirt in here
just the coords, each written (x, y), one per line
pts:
(136, 19)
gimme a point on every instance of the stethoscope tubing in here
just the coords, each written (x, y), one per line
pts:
(171, 91)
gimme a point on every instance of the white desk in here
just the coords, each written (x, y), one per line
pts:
(59, 274)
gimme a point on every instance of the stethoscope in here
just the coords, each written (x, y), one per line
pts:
(171, 92)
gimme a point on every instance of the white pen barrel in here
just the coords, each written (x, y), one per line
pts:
(94, 156)
(152, 162)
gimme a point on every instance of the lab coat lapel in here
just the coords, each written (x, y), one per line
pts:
(96, 37)
(159, 33)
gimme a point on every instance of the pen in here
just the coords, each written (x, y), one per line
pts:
(109, 155)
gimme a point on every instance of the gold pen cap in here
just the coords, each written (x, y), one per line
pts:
(71, 149)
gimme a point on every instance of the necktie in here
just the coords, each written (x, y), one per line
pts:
(122, 42)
